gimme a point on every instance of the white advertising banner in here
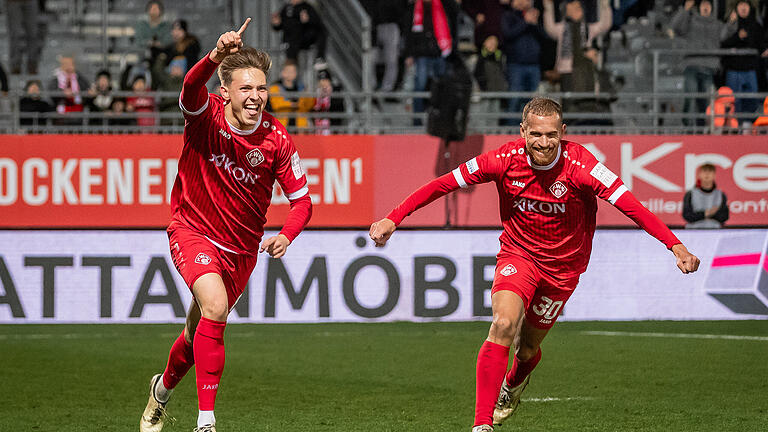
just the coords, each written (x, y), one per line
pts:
(326, 276)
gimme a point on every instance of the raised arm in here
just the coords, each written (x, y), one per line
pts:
(194, 94)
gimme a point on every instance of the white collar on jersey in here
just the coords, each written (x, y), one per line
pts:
(245, 132)
(544, 167)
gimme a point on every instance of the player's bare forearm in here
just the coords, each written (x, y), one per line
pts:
(381, 231)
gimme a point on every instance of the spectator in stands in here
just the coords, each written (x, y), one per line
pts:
(589, 77)
(722, 113)
(302, 28)
(522, 46)
(429, 40)
(282, 104)
(326, 102)
(386, 17)
(742, 31)
(169, 79)
(184, 46)
(32, 107)
(23, 37)
(153, 33)
(487, 15)
(573, 35)
(490, 72)
(68, 81)
(760, 125)
(701, 31)
(117, 115)
(141, 102)
(100, 93)
(705, 206)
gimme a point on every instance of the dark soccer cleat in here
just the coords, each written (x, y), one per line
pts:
(154, 414)
(508, 401)
(206, 428)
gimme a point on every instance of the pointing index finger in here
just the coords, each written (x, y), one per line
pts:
(245, 24)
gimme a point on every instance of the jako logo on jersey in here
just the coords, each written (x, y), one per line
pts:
(225, 134)
(203, 259)
(238, 173)
(210, 386)
(558, 189)
(509, 269)
(254, 157)
(518, 183)
(524, 204)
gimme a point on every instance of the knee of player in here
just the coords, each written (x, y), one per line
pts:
(504, 325)
(215, 310)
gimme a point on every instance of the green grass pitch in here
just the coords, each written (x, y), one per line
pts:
(390, 377)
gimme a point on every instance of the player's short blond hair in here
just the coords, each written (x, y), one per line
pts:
(245, 58)
(542, 107)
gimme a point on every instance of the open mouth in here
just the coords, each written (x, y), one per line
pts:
(252, 109)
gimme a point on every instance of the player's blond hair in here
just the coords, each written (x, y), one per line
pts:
(542, 107)
(246, 57)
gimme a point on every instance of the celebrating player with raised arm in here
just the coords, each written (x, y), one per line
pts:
(233, 152)
(547, 197)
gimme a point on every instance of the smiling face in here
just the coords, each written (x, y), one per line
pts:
(542, 135)
(247, 94)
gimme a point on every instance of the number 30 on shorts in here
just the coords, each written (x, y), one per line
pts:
(548, 308)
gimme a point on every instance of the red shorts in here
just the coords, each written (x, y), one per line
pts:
(543, 300)
(194, 255)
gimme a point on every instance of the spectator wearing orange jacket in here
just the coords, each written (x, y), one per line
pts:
(724, 107)
(762, 122)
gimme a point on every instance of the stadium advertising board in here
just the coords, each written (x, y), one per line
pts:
(128, 277)
(76, 181)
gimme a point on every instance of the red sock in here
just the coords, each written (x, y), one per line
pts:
(491, 366)
(208, 346)
(520, 370)
(180, 360)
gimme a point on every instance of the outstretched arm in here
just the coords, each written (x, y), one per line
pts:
(630, 206)
(382, 230)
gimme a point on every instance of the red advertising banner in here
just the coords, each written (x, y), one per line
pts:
(81, 181)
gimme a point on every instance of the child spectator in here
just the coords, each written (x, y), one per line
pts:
(282, 104)
(705, 206)
(326, 102)
(33, 108)
(141, 102)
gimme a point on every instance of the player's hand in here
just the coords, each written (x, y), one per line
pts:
(275, 246)
(686, 261)
(381, 231)
(229, 43)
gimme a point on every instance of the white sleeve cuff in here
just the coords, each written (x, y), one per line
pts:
(617, 194)
(298, 194)
(459, 178)
(193, 113)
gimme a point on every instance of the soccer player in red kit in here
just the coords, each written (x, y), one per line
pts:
(547, 199)
(233, 152)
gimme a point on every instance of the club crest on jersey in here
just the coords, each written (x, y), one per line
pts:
(203, 259)
(254, 157)
(558, 189)
(509, 269)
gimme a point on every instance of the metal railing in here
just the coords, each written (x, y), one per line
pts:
(391, 113)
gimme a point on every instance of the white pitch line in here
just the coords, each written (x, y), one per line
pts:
(676, 335)
(558, 399)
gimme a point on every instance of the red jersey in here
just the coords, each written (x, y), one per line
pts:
(225, 179)
(548, 213)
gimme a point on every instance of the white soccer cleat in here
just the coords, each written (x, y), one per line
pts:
(206, 428)
(482, 428)
(154, 414)
(508, 401)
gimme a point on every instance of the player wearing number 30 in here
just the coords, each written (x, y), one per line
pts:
(232, 155)
(547, 197)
